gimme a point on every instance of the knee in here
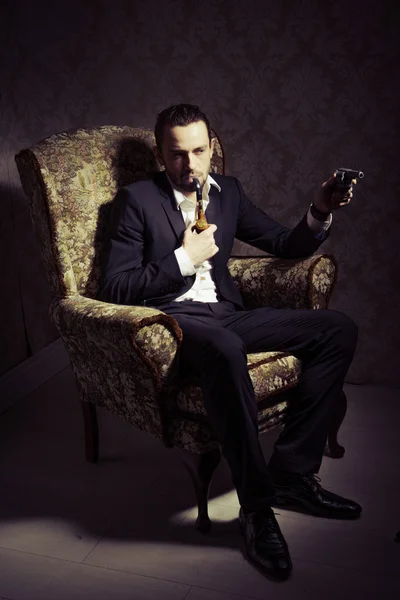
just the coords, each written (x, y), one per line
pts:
(227, 349)
(345, 331)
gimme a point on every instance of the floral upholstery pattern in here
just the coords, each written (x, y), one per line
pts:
(291, 283)
(124, 357)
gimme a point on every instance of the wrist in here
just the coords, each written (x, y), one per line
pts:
(185, 264)
(317, 213)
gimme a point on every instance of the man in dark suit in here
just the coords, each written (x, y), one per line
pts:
(154, 258)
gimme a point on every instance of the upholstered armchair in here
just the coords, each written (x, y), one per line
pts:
(124, 357)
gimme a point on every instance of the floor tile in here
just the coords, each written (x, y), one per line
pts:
(370, 465)
(341, 544)
(197, 593)
(177, 551)
(308, 581)
(28, 577)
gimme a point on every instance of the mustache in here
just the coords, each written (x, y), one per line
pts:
(191, 174)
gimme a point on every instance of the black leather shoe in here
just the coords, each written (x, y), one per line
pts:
(306, 493)
(265, 546)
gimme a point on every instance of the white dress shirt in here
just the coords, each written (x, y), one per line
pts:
(203, 289)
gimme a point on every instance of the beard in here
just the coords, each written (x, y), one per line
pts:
(188, 186)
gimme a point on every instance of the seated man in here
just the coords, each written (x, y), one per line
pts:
(153, 257)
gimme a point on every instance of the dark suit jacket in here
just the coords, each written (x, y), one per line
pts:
(145, 227)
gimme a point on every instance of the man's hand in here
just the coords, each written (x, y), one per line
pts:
(332, 196)
(200, 246)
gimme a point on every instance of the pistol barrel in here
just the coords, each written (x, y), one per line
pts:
(344, 175)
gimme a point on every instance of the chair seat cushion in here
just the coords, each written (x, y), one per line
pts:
(271, 373)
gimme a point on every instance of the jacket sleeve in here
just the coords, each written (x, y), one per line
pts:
(256, 228)
(127, 276)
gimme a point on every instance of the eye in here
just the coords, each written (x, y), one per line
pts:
(199, 151)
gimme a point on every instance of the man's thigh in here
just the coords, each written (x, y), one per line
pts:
(204, 335)
(294, 330)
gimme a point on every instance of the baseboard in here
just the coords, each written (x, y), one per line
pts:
(26, 377)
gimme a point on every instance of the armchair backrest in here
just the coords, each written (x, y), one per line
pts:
(71, 179)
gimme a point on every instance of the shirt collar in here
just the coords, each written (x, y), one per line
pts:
(180, 197)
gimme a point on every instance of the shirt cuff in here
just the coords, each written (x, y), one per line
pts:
(318, 227)
(185, 264)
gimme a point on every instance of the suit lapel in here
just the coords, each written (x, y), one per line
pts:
(172, 212)
(213, 214)
(174, 215)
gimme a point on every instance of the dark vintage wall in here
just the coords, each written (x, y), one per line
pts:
(294, 88)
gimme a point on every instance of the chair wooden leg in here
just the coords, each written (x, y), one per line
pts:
(201, 468)
(333, 449)
(91, 431)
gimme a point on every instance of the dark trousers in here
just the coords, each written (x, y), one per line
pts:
(216, 340)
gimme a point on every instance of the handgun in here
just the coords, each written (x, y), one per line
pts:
(201, 221)
(344, 176)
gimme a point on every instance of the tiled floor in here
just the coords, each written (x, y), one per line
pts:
(123, 529)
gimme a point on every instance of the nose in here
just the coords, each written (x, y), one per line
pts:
(190, 161)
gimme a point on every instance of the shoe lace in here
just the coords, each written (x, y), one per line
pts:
(313, 479)
(268, 523)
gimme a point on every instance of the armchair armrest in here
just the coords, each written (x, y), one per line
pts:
(285, 283)
(121, 356)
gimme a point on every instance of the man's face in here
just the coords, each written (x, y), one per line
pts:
(186, 153)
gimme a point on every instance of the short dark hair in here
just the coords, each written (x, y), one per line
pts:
(179, 115)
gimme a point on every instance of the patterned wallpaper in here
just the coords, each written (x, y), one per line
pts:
(294, 88)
